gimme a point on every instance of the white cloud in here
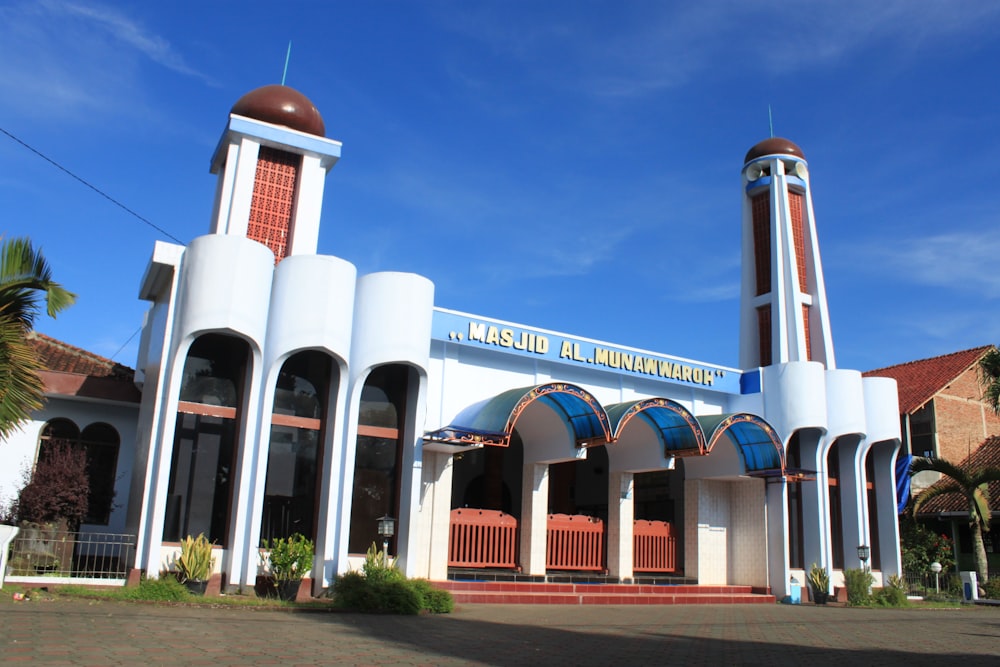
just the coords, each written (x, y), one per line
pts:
(634, 50)
(128, 32)
(71, 61)
(962, 261)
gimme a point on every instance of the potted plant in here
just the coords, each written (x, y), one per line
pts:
(819, 582)
(194, 565)
(287, 562)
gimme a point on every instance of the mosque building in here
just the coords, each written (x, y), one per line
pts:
(282, 393)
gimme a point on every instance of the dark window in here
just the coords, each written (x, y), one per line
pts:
(873, 533)
(836, 513)
(922, 429)
(378, 455)
(100, 442)
(295, 452)
(796, 548)
(199, 494)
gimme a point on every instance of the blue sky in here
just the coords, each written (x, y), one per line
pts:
(568, 165)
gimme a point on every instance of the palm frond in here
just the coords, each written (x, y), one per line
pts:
(21, 389)
(947, 468)
(989, 375)
(24, 273)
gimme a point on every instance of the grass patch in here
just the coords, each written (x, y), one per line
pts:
(166, 590)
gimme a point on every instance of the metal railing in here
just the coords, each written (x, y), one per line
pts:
(925, 584)
(40, 554)
(482, 538)
(575, 542)
(654, 547)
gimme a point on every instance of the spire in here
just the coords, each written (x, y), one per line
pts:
(783, 309)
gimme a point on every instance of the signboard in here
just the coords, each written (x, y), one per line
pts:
(473, 331)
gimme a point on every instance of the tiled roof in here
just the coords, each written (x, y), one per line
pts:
(61, 357)
(920, 380)
(987, 455)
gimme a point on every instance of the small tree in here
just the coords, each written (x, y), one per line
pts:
(58, 488)
(973, 486)
(921, 546)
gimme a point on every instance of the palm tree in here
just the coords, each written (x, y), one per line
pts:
(989, 375)
(973, 485)
(25, 277)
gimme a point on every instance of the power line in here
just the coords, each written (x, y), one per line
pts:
(92, 187)
(118, 351)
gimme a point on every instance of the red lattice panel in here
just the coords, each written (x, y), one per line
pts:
(805, 326)
(761, 209)
(795, 208)
(273, 199)
(764, 334)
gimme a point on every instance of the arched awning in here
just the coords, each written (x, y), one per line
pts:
(757, 442)
(677, 428)
(491, 421)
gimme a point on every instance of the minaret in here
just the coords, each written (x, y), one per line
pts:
(272, 162)
(783, 309)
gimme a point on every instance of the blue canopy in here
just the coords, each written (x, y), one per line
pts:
(677, 428)
(756, 441)
(492, 421)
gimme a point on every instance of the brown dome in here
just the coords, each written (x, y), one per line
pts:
(773, 146)
(281, 105)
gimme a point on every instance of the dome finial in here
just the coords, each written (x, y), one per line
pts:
(288, 55)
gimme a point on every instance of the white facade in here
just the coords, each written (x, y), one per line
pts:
(427, 410)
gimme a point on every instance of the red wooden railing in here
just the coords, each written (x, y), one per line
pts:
(482, 538)
(574, 542)
(654, 547)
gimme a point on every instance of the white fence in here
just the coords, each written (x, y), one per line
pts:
(45, 555)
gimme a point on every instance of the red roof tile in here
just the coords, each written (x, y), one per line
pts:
(61, 357)
(920, 380)
(987, 455)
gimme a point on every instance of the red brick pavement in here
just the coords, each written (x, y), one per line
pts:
(76, 632)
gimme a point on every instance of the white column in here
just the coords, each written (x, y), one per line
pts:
(534, 517)
(621, 512)
(436, 508)
(777, 538)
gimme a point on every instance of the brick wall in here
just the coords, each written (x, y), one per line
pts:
(963, 421)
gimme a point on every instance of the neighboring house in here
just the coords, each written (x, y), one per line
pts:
(941, 408)
(91, 401)
(954, 511)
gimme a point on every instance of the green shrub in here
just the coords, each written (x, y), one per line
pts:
(381, 588)
(288, 559)
(921, 546)
(163, 589)
(992, 589)
(379, 567)
(890, 596)
(195, 562)
(434, 600)
(858, 583)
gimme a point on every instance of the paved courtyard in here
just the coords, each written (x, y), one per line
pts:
(77, 632)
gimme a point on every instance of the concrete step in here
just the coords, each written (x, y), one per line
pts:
(487, 592)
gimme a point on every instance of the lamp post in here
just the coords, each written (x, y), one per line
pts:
(936, 569)
(864, 551)
(386, 529)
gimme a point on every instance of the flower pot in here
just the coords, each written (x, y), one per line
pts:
(288, 590)
(820, 597)
(196, 587)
